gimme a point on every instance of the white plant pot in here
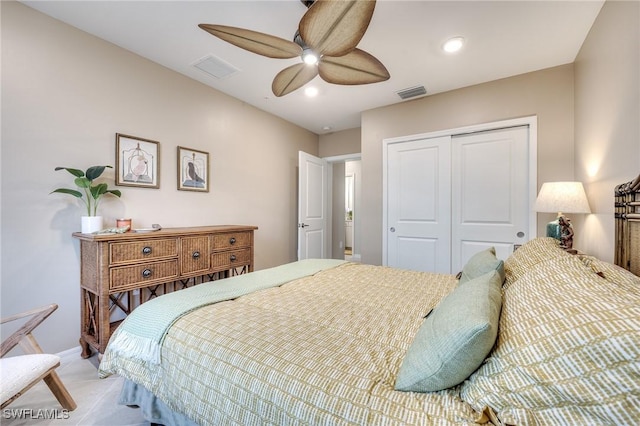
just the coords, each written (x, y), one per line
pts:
(91, 224)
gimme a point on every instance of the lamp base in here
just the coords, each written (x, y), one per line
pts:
(562, 230)
(553, 230)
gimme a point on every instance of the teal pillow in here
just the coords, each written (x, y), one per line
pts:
(481, 263)
(455, 338)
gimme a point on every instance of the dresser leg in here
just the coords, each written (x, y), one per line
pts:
(86, 349)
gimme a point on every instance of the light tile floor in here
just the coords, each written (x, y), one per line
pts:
(97, 400)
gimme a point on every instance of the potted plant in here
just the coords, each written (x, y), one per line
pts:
(89, 193)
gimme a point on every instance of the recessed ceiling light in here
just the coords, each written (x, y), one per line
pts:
(453, 44)
(311, 91)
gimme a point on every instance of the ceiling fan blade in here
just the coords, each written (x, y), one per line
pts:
(292, 78)
(357, 67)
(335, 27)
(253, 41)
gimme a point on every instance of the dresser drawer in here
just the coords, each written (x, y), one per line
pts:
(231, 259)
(136, 276)
(230, 240)
(194, 255)
(142, 250)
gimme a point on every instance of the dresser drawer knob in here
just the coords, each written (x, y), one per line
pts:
(232, 258)
(146, 273)
(146, 250)
(232, 240)
(196, 254)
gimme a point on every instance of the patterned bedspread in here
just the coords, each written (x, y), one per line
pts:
(324, 349)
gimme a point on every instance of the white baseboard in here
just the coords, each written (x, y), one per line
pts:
(69, 355)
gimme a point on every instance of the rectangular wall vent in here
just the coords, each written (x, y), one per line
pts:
(215, 67)
(412, 92)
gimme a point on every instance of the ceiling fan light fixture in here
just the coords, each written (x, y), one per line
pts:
(326, 42)
(309, 57)
(453, 44)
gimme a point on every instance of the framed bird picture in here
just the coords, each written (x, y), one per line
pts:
(137, 161)
(193, 170)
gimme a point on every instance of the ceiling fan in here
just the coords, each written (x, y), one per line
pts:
(326, 41)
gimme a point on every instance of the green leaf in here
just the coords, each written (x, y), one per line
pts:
(98, 190)
(75, 172)
(94, 172)
(82, 182)
(73, 192)
(115, 192)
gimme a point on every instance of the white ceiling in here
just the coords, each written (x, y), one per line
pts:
(503, 38)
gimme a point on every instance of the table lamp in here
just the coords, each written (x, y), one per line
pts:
(559, 197)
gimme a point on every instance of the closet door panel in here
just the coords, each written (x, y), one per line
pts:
(490, 192)
(418, 205)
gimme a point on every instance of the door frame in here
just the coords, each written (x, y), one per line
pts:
(329, 205)
(332, 160)
(530, 121)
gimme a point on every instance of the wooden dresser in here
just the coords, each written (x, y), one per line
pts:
(118, 272)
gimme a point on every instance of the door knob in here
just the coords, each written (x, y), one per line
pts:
(392, 229)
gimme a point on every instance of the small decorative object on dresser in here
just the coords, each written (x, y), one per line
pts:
(93, 193)
(119, 272)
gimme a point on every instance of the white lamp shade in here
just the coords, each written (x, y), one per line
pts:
(568, 197)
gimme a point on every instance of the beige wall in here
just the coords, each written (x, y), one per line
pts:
(64, 96)
(607, 125)
(547, 94)
(340, 143)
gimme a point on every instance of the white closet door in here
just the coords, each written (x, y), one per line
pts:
(418, 204)
(490, 206)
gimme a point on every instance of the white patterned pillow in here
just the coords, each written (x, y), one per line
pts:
(610, 272)
(568, 350)
(530, 254)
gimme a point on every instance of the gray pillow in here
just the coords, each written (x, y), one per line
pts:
(455, 338)
(481, 263)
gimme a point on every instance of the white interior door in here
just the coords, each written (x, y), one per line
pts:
(418, 204)
(312, 207)
(490, 206)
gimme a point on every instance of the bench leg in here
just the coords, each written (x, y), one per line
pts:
(60, 391)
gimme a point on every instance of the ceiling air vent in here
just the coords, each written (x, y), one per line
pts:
(412, 92)
(215, 67)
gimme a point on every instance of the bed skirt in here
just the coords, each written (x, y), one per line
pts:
(153, 409)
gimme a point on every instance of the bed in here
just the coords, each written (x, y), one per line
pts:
(543, 337)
